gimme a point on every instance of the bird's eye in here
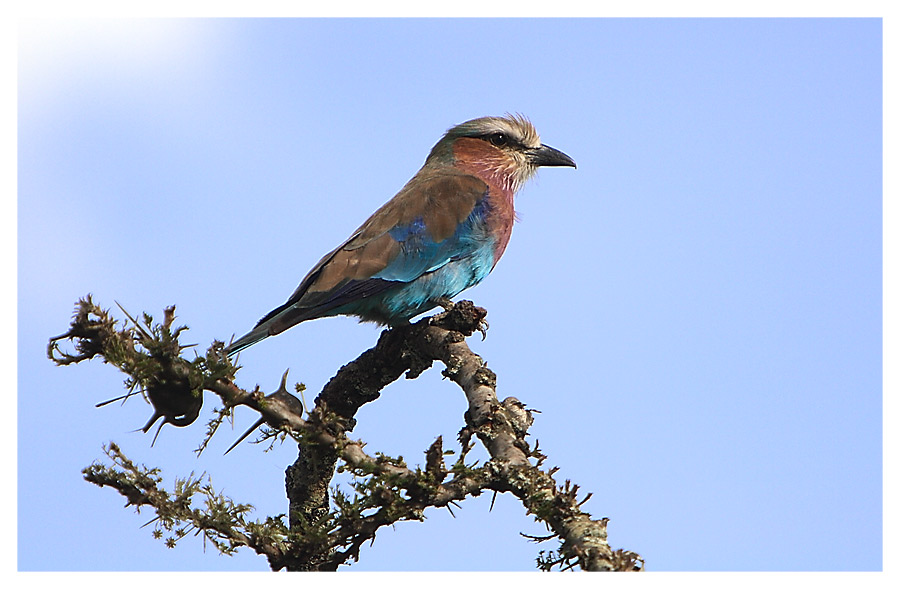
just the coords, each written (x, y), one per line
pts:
(498, 139)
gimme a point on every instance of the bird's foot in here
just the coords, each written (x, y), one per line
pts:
(445, 303)
(463, 316)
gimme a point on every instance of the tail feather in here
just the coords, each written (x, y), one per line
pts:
(278, 320)
(259, 333)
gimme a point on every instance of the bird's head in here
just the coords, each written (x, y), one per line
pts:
(508, 149)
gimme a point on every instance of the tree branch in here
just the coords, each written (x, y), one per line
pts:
(327, 531)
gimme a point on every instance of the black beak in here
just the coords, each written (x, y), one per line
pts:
(548, 156)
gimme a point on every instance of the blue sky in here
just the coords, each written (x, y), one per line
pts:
(696, 310)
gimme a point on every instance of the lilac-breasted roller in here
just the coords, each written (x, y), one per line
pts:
(442, 233)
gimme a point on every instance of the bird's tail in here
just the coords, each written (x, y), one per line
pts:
(259, 333)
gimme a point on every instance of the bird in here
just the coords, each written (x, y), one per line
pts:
(442, 233)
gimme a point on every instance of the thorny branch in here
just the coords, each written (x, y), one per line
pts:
(327, 529)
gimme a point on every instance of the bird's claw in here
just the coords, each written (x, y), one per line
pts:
(482, 328)
(463, 317)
